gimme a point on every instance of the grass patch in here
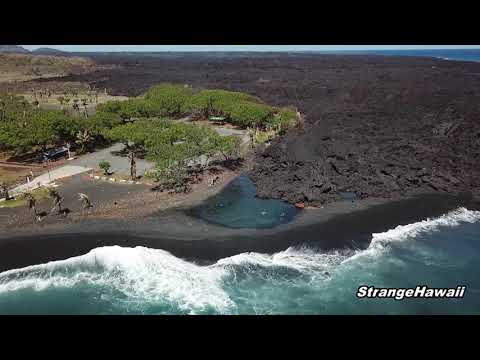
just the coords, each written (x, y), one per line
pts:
(39, 194)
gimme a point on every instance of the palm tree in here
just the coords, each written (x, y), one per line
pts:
(83, 138)
(2, 109)
(24, 106)
(75, 106)
(31, 203)
(61, 100)
(86, 204)
(4, 188)
(57, 200)
(133, 164)
(66, 100)
(84, 104)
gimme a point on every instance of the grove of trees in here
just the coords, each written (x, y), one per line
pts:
(24, 126)
(173, 146)
(144, 124)
(176, 101)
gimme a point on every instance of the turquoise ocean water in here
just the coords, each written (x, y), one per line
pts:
(440, 252)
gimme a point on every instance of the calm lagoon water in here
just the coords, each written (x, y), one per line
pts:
(237, 207)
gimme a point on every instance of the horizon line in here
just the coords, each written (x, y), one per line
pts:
(243, 48)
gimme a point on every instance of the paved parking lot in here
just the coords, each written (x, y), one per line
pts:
(119, 164)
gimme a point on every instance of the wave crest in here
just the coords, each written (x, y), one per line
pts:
(143, 274)
(404, 232)
(147, 277)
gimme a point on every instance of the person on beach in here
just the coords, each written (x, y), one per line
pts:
(214, 180)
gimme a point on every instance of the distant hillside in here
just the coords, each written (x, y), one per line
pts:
(13, 49)
(50, 51)
(24, 67)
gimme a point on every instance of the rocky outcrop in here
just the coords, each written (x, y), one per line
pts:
(381, 155)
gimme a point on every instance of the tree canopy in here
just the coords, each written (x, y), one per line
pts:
(173, 145)
(167, 100)
(23, 126)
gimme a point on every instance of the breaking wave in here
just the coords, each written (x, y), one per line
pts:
(141, 280)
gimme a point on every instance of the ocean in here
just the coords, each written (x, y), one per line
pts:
(439, 252)
(446, 54)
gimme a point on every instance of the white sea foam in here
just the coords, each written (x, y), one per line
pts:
(300, 259)
(143, 274)
(154, 276)
(410, 231)
(381, 241)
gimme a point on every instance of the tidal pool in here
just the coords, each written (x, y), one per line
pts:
(236, 206)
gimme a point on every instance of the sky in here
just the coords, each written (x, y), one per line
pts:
(108, 48)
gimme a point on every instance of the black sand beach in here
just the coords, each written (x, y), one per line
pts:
(340, 225)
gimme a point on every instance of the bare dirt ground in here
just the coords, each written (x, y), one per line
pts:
(114, 200)
(52, 102)
(25, 67)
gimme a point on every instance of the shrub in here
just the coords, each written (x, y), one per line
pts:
(284, 119)
(105, 166)
(264, 136)
(248, 114)
(109, 107)
(228, 146)
(171, 175)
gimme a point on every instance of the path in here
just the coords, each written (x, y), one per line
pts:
(119, 164)
(48, 177)
(221, 130)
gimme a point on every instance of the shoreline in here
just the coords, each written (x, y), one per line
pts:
(337, 226)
